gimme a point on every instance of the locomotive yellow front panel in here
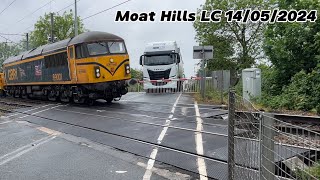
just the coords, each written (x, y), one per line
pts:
(103, 69)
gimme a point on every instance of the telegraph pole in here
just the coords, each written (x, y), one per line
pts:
(51, 35)
(27, 37)
(75, 19)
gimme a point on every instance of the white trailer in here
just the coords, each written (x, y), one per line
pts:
(162, 61)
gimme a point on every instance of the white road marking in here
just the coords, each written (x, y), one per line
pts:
(168, 174)
(200, 161)
(27, 111)
(41, 111)
(24, 147)
(148, 173)
(5, 122)
(25, 151)
(121, 172)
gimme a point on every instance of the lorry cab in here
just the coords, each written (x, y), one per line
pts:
(162, 65)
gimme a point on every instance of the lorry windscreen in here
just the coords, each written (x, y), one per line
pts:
(163, 59)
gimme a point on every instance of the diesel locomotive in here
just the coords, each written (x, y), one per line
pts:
(90, 66)
(1, 84)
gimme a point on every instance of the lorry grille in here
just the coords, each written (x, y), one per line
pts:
(157, 75)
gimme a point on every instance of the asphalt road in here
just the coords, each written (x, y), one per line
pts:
(142, 136)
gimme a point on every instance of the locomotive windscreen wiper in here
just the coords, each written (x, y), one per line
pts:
(104, 45)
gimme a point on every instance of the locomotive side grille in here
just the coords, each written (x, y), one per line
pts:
(157, 75)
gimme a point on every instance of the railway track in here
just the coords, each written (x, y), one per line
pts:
(164, 147)
(153, 144)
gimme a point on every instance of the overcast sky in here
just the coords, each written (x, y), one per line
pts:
(136, 34)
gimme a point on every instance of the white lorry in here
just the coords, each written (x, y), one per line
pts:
(162, 66)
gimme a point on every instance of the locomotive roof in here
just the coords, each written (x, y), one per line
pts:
(92, 37)
(49, 48)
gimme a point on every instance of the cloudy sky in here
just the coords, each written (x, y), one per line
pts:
(19, 18)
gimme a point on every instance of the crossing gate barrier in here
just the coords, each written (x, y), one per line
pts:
(184, 85)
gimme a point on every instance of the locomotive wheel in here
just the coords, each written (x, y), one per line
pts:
(109, 100)
(64, 98)
(90, 102)
(52, 96)
(78, 100)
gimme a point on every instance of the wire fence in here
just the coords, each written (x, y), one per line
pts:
(263, 147)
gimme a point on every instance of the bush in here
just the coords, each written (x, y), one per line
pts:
(303, 93)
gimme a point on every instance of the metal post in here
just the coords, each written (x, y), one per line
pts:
(222, 86)
(202, 82)
(51, 33)
(75, 19)
(231, 122)
(27, 37)
(267, 166)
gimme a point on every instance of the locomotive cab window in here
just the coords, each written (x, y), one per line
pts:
(81, 51)
(97, 48)
(116, 47)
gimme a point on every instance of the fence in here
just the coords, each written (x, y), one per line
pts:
(263, 147)
(184, 85)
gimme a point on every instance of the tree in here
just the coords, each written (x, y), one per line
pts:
(293, 46)
(239, 44)
(7, 50)
(137, 74)
(63, 28)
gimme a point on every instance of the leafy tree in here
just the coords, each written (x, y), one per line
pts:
(137, 74)
(292, 47)
(236, 43)
(63, 28)
(7, 50)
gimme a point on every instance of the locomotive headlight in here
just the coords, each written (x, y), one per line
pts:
(127, 68)
(97, 71)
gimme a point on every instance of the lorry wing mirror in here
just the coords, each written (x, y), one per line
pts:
(178, 58)
(141, 60)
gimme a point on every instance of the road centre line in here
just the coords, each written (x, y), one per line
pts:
(24, 147)
(199, 144)
(5, 122)
(40, 111)
(148, 173)
(23, 151)
(27, 111)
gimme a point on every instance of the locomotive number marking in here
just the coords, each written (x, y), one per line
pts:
(13, 74)
(57, 77)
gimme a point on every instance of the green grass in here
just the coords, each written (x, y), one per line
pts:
(212, 97)
(313, 171)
